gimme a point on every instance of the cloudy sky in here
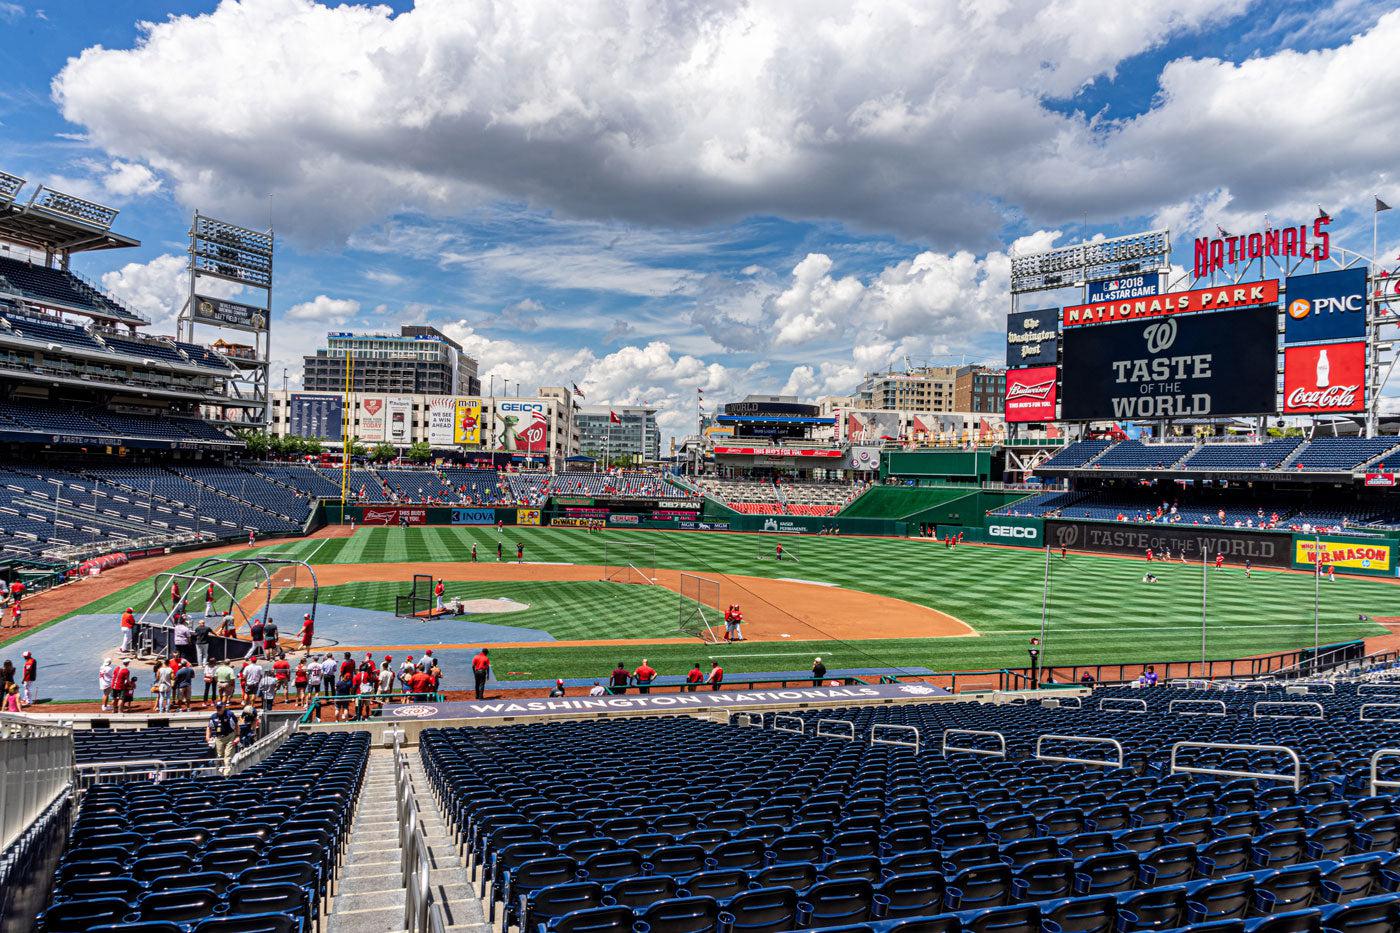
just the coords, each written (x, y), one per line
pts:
(647, 198)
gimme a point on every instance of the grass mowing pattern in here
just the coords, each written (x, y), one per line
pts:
(565, 609)
(1100, 611)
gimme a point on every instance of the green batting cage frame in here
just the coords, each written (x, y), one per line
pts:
(418, 601)
(699, 609)
(629, 563)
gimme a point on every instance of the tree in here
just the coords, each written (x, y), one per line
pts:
(311, 445)
(284, 447)
(420, 452)
(383, 452)
(357, 449)
(257, 443)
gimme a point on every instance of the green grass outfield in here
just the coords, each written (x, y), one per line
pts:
(1100, 611)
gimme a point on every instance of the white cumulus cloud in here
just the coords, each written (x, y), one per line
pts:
(326, 309)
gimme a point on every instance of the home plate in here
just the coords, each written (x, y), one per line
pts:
(809, 582)
(786, 635)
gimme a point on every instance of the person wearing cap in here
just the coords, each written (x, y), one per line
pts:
(28, 674)
(224, 677)
(818, 672)
(558, 689)
(121, 685)
(438, 591)
(644, 675)
(128, 627)
(308, 628)
(221, 733)
(255, 634)
(386, 676)
(104, 682)
(481, 670)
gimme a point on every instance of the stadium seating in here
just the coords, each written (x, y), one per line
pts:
(158, 349)
(1077, 454)
(212, 853)
(1135, 455)
(756, 497)
(1223, 457)
(164, 744)
(1042, 503)
(795, 831)
(44, 284)
(36, 329)
(1344, 454)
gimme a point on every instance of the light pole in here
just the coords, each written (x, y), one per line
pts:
(1045, 599)
(1205, 576)
(1317, 595)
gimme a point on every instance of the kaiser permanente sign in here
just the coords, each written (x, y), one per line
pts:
(1217, 298)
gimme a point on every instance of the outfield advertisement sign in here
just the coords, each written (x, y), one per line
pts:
(565, 522)
(1031, 338)
(1030, 394)
(466, 423)
(624, 519)
(1324, 378)
(1216, 298)
(661, 702)
(1123, 288)
(1386, 479)
(473, 516)
(1205, 365)
(392, 515)
(1015, 529)
(1260, 547)
(398, 420)
(1326, 306)
(527, 516)
(441, 409)
(371, 426)
(1346, 554)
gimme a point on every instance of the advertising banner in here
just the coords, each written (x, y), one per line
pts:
(314, 415)
(1031, 338)
(473, 516)
(466, 423)
(1205, 365)
(564, 522)
(441, 411)
(1260, 547)
(1030, 394)
(862, 427)
(626, 519)
(392, 515)
(372, 419)
(522, 427)
(1216, 298)
(1366, 554)
(398, 420)
(775, 452)
(1380, 479)
(1123, 287)
(1326, 306)
(527, 516)
(224, 313)
(1324, 379)
(1019, 530)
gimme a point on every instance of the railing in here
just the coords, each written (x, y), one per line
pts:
(1296, 777)
(377, 701)
(1082, 739)
(257, 752)
(413, 848)
(146, 769)
(36, 768)
(898, 730)
(784, 723)
(831, 729)
(1213, 704)
(1272, 704)
(1376, 782)
(1361, 713)
(1139, 706)
(1001, 739)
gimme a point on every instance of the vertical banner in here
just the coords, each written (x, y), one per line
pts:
(522, 427)
(441, 409)
(1030, 394)
(466, 424)
(398, 420)
(371, 419)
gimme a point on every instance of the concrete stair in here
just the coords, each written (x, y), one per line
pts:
(370, 895)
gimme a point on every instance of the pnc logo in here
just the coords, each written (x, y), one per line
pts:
(1300, 308)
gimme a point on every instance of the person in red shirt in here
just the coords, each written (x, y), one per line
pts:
(16, 589)
(694, 678)
(121, 682)
(308, 628)
(29, 673)
(175, 592)
(1149, 555)
(420, 685)
(1219, 560)
(481, 669)
(282, 670)
(438, 592)
(128, 628)
(209, 600)
(716, 676)
(644, 674)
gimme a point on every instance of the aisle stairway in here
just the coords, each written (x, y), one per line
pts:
(370, 896)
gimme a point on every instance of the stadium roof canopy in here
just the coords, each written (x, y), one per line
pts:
(54, 222)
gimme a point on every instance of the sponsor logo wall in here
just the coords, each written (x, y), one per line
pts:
(1260, 547)
(1324, 379)
(1127, 286)
(372, 419)
(466, 424)
(398, 420)
(392, 515)
(522, 427)
(315, 415)
(1348, 554)
(1215, 298)
(473, 516)
(1031, 338)
(441, 409)
(1030, 394)
(1325, 306)
(1202, 365)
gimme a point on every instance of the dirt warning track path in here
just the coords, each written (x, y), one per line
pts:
(773, 609)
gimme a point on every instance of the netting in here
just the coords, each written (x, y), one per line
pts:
(629, 563)
(699, 609)
(418, 601)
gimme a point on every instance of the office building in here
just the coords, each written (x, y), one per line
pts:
(416, 360)
(635, 435)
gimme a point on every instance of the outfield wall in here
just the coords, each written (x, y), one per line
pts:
(1365, 556)
(1264, 548)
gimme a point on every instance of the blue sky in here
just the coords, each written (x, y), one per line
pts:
(719, 195)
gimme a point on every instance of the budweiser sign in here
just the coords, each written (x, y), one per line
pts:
(393, 516)
(1030, 394)
(775, 452)
(1246, 295)
(1325, 379)
(1215, 253)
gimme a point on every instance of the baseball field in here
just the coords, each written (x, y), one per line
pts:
(857, 602)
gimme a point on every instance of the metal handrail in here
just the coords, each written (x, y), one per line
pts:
(876, 740)
(849, 735)
(1318, 685)
(259, 751)
(1296, 778)
(1085, 739)
(1376, 782)
(779, 723)
(157, 769)
(1061, 703)
(946, 748)
(748, 719)
(1321, 714)
(1171, 707)
(1361, 713)
(1132, 709)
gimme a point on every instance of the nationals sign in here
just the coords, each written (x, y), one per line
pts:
(1325, 379)
(1030, 394)
(1215, 253)
(1245, 295)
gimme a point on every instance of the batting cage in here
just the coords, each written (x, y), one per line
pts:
(418, 601)
(699, 613)
(629, 563)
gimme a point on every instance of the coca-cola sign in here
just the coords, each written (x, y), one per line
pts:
(1324, 379)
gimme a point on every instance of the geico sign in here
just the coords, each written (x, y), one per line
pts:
(521, 406)
(1012, 531)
